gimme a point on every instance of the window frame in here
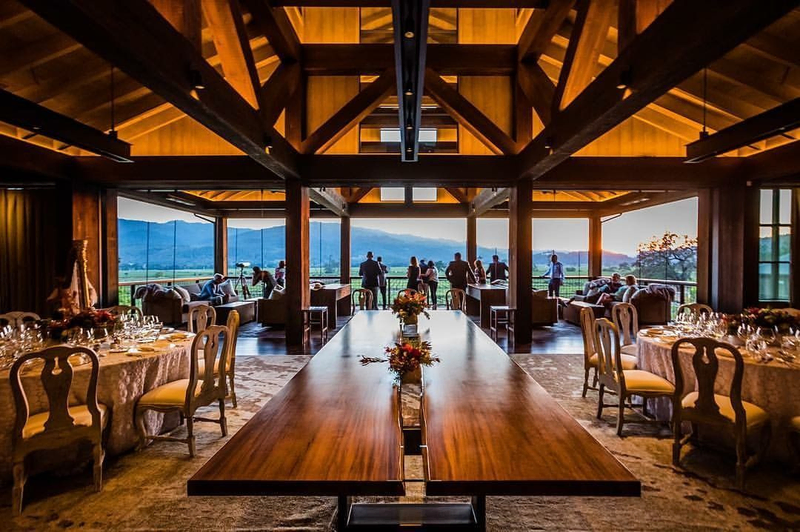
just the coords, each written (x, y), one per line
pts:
(775, 226)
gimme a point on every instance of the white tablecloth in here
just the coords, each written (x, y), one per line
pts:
(773, 386)
(121, 381)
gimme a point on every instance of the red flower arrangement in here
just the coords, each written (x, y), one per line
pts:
(769, 317)
(408, 357)
(409, 306)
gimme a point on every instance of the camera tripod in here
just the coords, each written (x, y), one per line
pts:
(241, 280)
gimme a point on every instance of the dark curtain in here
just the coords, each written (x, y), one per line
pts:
(30, 243)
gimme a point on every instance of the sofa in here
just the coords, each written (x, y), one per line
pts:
(653, 305)
(544, 310)
(170, 304)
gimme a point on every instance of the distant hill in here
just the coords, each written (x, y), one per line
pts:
(195, 247)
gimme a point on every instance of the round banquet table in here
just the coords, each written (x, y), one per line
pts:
(122, 379)
(773, 386)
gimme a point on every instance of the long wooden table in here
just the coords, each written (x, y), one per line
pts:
(487, 429)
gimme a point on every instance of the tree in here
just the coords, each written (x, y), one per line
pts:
(670, 256)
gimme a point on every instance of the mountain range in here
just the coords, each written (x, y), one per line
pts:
(194, 246)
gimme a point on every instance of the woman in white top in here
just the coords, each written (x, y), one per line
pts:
(432, 280)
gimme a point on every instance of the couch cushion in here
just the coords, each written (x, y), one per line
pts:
(755, 414)
(227, 288)
(637, 380)
(277, 293)
(80, 413)
(181, 291)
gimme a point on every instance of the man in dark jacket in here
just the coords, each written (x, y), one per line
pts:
(370, 272)
(497, 270)
(459, 273)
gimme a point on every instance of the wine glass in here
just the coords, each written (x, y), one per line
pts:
(766, 334)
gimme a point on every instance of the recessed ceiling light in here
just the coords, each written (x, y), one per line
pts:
(409, 34)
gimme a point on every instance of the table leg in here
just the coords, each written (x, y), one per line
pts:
(342, 512)
(479, 508)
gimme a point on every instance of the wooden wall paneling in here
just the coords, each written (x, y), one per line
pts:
(184, 15)
(185, 136)
(331, 25)
(750, 217)
(635, 138)
(520, 242)
(110, 247)
(325, 96)
(86, 225)
(705, 211)
(728, 248)
(298, 295)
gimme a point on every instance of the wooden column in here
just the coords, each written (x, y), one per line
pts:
(795, 285)
(298, 294)
(595, 246)
(110, 249)
(520, 259)
(221, 245)
(704, 245)
(345, 251)
(472, 239)
(86, 225)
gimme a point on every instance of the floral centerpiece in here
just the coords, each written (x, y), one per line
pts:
(732, 322)
(406, 360)
(89, 319)
(409, 306)
(780, 320)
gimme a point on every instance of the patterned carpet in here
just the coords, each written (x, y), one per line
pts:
(147, 490)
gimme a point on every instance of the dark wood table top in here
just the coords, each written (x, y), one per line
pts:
(488, 286)
(333, 429)
(490, 429)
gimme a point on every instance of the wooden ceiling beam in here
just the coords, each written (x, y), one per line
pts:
(538, 88)
(225, 20)
(778, 120)
(646, 200)
(585, 45)
(275, 25)
(468, 4)
(27, 115)
(137, 39)
(401, 210)
(774, 49)
(540, 29)
(657, 60)
(277, 90)
(329, 199)
(185, 16)
(410, 29)
(458, 194)
(469, 116)
(22, 160)
(447, 59)
(342, 121)
(358, 193)
(488, 198)
(776, 166)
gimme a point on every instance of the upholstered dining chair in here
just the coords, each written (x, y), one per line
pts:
(626, 320)
(233, 329)
(63, 423)
(704, 407)
(695, 309)
(590, 356)
(121, 310)
(185, 396)
(16, 318)
(625, 382)
(455, 299)
(361, 299)
(200, 317)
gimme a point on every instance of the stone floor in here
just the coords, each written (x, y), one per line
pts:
(147, 490)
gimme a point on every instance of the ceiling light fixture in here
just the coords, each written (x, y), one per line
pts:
(196, 78)
(624, 79)
(409, 35)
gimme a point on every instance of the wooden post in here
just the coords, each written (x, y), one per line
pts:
(727, 279)
(344, 258)
(86, 225)
(595, 246)
(520, 259)
(221, 245)
(795, 285)
(110, 249)
(298, 295)
(472, 239)
(704, 245)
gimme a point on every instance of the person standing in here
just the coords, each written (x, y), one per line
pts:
(370, 272)
(556, 274)
(459, 273)
(480, 273)
(280, 273)
(382, 280)
(413, 274)
(497, 270)
(432, 275)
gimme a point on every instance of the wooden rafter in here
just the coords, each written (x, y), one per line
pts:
(488, 198)
(469, 116)
(541, 27)
(473, 4)
(350, 114)
(330, 199)
(275, 25)
(585, 44)
(538, 88)
(136, 38)
(458, 194)
(277, 90)
(768, 124)
(658, 59)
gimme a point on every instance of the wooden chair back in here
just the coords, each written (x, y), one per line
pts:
(408, 292)
(705, 364)
(16, 318)
(212, 345)
(455, 299)
(626, 320)
(200, 317)
(56, 376)
(361, 299)
(589, 336)
(609, 367)
(233, 335)
(695, 309)
(121, 310)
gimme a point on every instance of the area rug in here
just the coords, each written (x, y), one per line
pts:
(147, 490)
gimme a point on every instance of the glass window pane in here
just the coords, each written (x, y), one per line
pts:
(786, 206)
(765, 216)
(390, 135)
(785, 244)
(492, 239)
(423, 194)
(427, 135)
(324, 249)
(569, 239)
(783, 282)
(766, 289)
(765, 244)
(393, 194)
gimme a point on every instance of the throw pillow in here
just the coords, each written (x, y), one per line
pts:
(593, 292)
(227, 288)
(277, 293)
(183, 293)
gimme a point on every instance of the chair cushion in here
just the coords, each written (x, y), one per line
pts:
(637, 380)
(170, 394)
(80, 413)
(755, 414)
(628, 361)
(629, 349)
(794, 424)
